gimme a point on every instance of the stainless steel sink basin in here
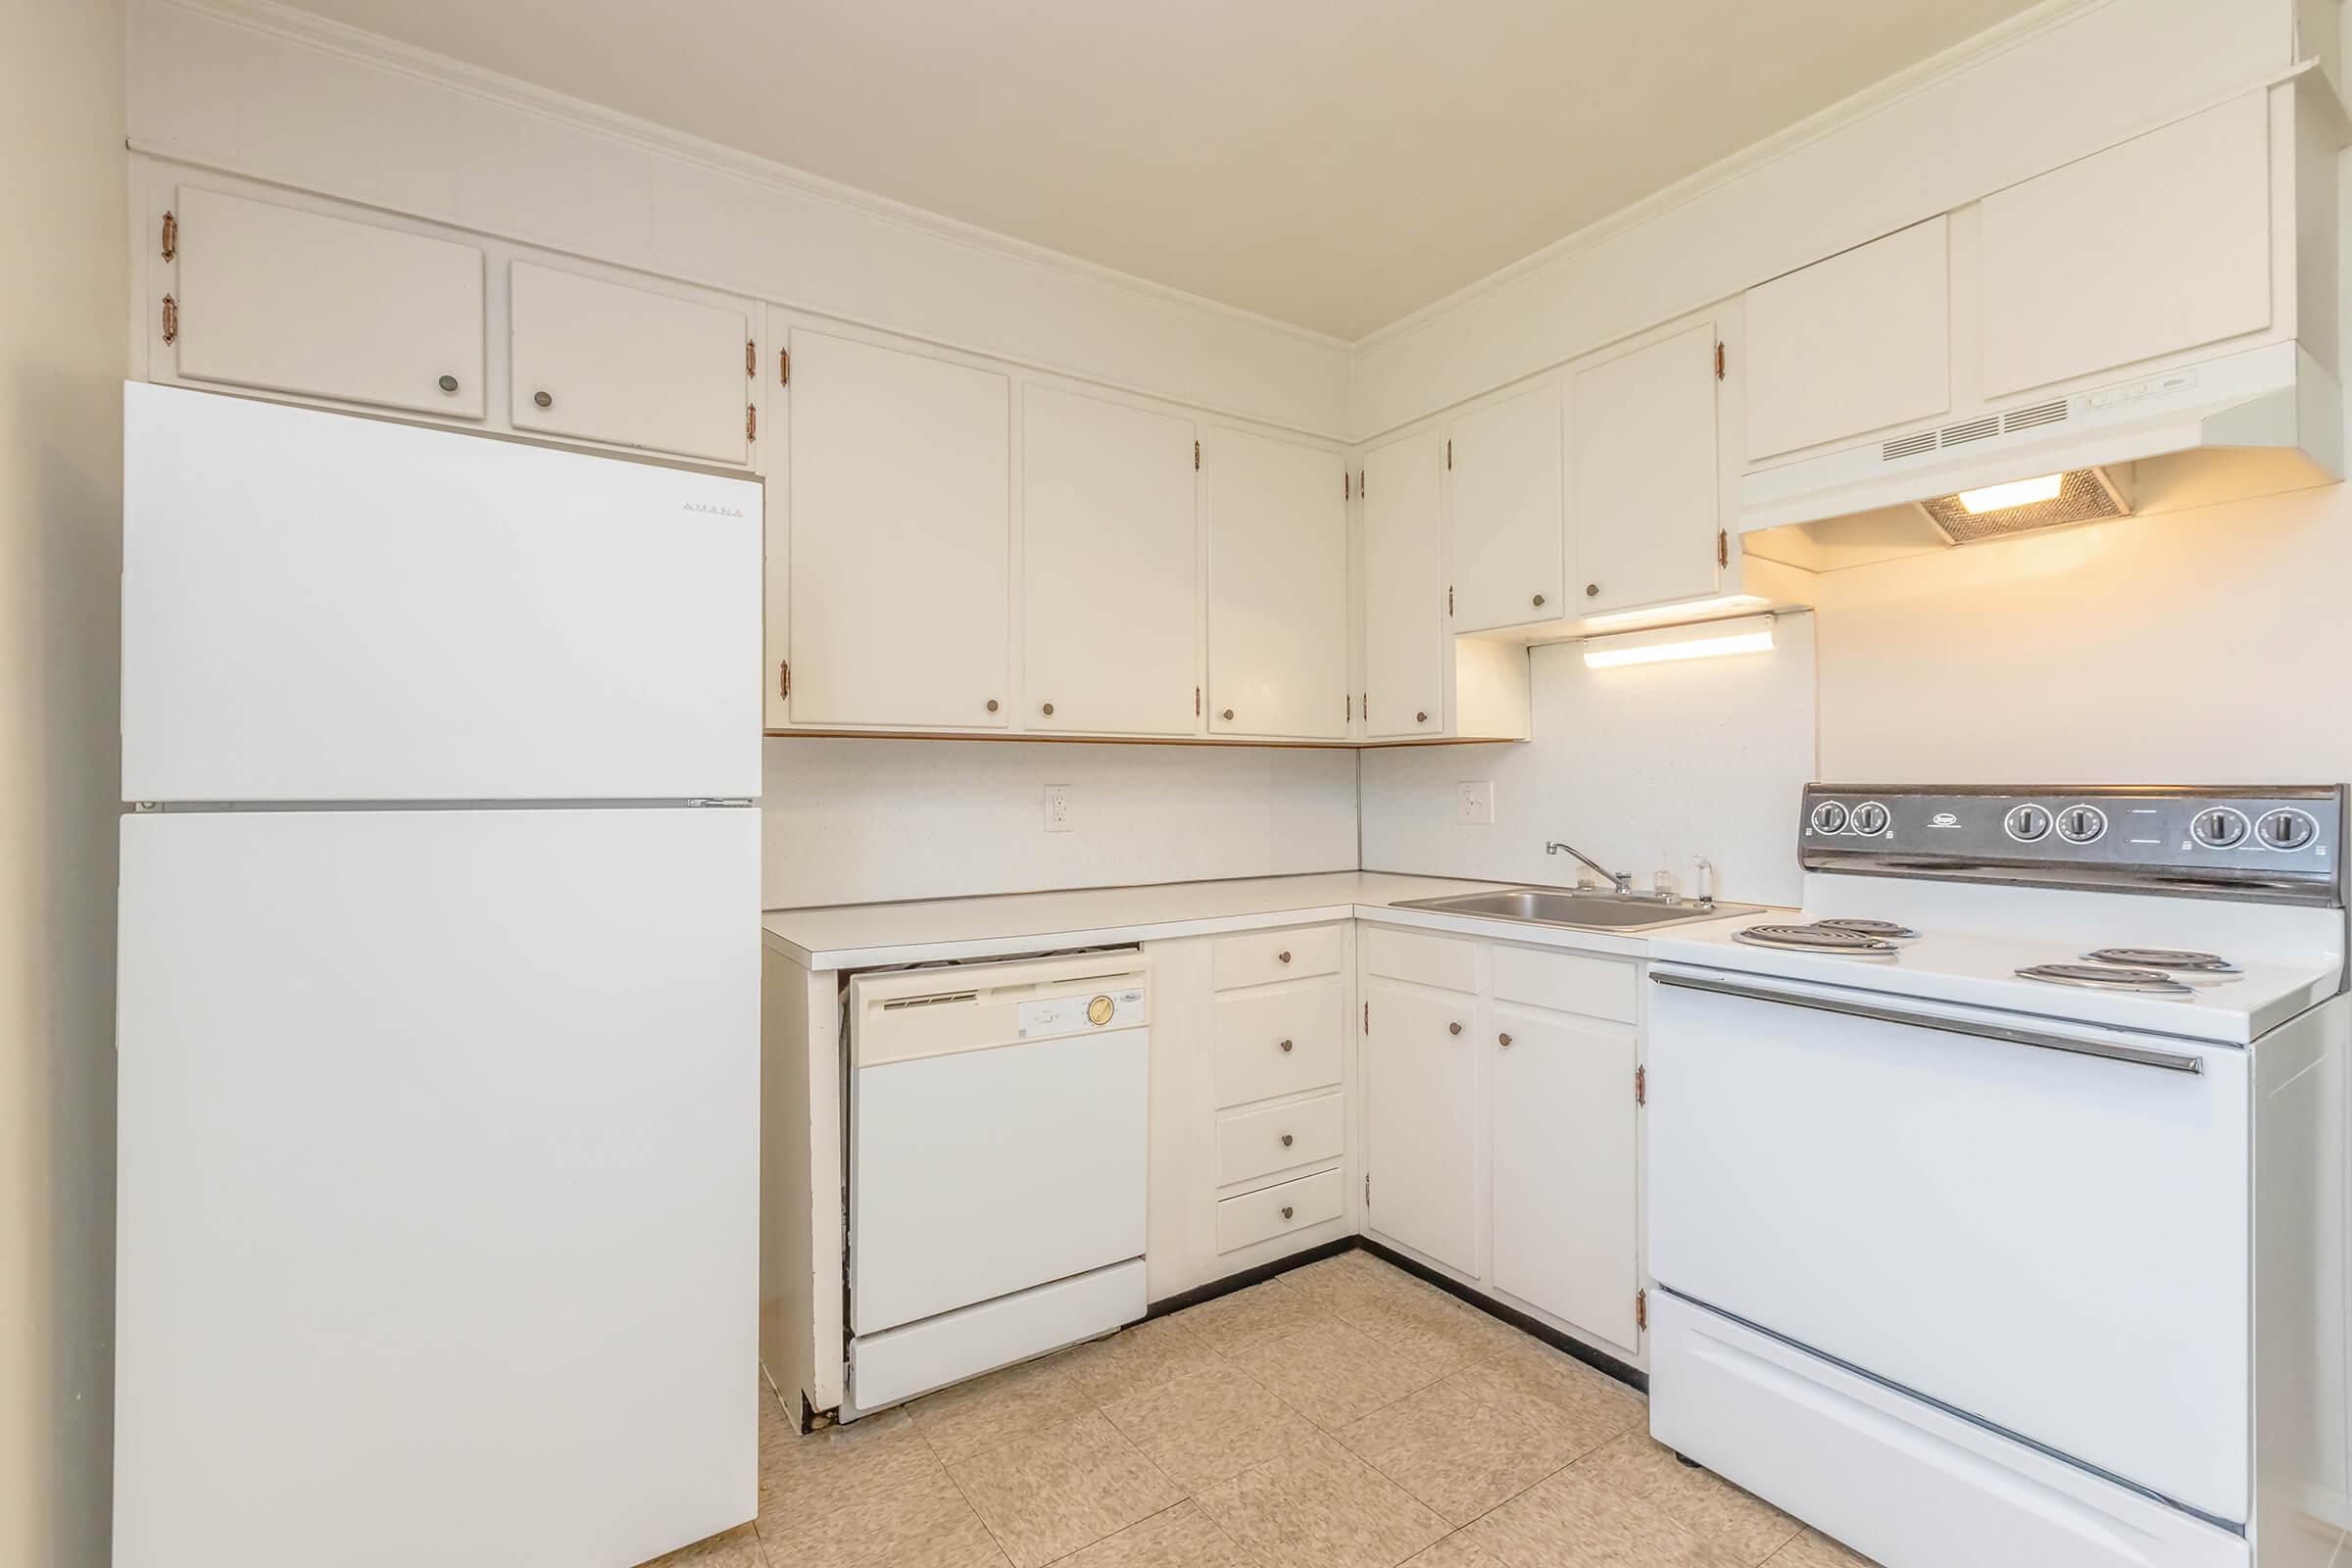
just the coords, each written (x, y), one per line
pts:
(1580, 910)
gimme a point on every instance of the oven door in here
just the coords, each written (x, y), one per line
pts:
(2039, 1226)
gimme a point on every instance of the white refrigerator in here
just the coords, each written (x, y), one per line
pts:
(439, 996)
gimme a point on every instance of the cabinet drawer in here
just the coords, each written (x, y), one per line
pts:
(1271, 1212)
(1256, 957)
(1278, 1042)
(1565, 982)
(1253, 1142)
(1446, 962)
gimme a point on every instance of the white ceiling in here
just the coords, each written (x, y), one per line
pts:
(1334, 164)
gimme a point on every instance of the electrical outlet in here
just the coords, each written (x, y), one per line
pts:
(1474, 803)
(1058, 808)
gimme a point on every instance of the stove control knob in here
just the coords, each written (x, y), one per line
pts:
(2027, 824)
(2081, 824)
(1829, 817)
(2219, 827)
(1870, 817)
(2286, 829)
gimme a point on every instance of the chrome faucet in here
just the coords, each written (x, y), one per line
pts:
(1623, 881)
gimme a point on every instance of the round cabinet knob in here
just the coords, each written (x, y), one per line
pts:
(1284, 956)
(1286, 1045)
(1537, 601)
(1591, 590)
(447, 383)
(1048, 710)
(1286, 1140)
(1229, 712)
(1454, 1028)
(543, 400)
(1420, 719)
(1288, 1211)
(992, 704)
(1503, 1040)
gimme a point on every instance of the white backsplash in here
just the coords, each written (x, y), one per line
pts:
(854, 821)
(1645, 767)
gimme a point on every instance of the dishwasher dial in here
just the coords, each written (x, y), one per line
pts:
(1829, 817)
(2081, 824)
(2286, 829)
(1870, 817)
(2219, 827)
(2027, 824)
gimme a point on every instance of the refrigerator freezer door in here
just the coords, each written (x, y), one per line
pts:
(318, 606)
(438, 1187)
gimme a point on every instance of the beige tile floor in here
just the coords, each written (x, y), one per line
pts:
(1342, 1415)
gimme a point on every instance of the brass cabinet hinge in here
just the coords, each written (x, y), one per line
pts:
(1641, 1309)
(1450, 454)
(1347, 485)
(784, 678)
(1351, 708)
(1367, 1189)
(784, 367)
(1450, 599)
(751, 421)
(1363, 483)
(1718, 362)
(1196, 456)
(751, 357)
(171, 318)
(1196, 702)
(1367, 1018)
(1722, 547)
(1640, 1085)
(170, 237)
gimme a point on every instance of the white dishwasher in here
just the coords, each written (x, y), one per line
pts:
(999, 1115)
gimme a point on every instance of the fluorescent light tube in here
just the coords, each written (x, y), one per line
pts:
(1750, 634)
(2016, 493)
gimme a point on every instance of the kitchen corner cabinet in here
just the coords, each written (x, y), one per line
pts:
(1277, 587)
(1502, 1122)
(1503, 475)
(1643, 466)
(285, 300)
(1110, 567)
(1404, 635)
(901, 539)
(629, 366)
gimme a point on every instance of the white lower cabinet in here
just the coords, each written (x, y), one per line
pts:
(1509, 1153)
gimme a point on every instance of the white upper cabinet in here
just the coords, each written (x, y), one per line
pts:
(289, 301)
(901, 538)
(1508, 534)
(1642, 471)
(1405, 637)
(1277, 587)
(2154, 246)
(1851, 344)
(1110, 610)
(605, 362)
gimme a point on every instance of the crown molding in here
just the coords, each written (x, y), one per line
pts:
(1909, 82)
(289, 24)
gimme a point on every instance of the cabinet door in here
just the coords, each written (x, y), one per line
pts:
(1852, 344)
(1565, 1233)
(1109, 566)
(1421, 1120)
(1277, 588)
(1404, 588)
(288, 301)
(901, 538)
(1642, 464)
(604, 362)
(1508, 535)
(2158, 245)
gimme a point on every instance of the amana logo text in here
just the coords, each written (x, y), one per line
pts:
(708, 509)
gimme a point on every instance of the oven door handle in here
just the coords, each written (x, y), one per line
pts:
(2112, 1051)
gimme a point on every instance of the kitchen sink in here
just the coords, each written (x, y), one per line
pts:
(1583, 911)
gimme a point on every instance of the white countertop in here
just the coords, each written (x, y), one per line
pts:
(859, 935)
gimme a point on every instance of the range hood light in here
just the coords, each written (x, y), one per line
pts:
(1750, 634)
(2016, 493)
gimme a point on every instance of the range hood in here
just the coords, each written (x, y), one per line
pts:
(2255, 422)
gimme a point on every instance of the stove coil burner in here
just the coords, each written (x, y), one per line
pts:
(1871, 928)
(1818, 938)
(2171, 959)
(2101, 977)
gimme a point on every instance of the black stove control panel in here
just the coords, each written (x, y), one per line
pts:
(2272, 844)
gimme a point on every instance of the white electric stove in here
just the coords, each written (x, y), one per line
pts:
(1998, 1199)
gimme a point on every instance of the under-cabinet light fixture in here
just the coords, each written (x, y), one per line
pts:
(1750, 634)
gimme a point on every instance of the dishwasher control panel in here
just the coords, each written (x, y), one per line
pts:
(1079, 1012)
